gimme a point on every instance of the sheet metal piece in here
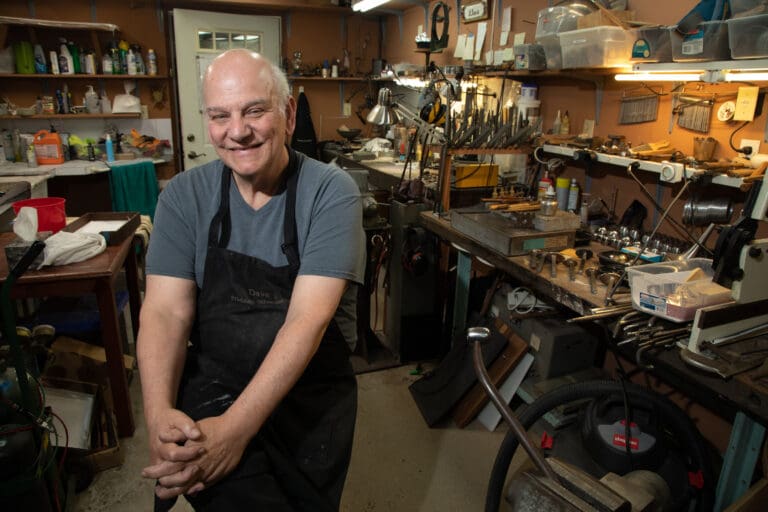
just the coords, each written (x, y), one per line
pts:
(639, 109)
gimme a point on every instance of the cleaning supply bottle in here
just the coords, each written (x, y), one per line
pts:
(565, 124)
(106, 64)
(561, 189)
(557, 124)
(74, 52)
(573, 196)
(140, 68)
(40, 66)
(91, 101)
(54, 62)
(131, 61)
(152, 62)
(66, 64)
(110, 150)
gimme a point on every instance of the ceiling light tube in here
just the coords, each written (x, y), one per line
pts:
(745, 76)
(367, 5)
(657, 77)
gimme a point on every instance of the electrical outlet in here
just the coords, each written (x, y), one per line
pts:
(746, 103)
(752, 143)
(347, 108)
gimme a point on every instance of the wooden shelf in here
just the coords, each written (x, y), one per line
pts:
(82, 76)
(74, 116)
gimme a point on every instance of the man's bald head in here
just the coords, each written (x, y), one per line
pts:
(245, 64)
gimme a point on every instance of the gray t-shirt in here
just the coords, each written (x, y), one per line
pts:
(328, 221)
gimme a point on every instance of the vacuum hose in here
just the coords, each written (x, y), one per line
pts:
(672, 417)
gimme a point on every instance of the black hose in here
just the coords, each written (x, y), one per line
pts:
(673, 418)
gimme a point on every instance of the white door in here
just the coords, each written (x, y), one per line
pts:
(200, 36)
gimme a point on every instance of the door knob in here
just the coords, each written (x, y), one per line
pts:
(191, 137)
(192, 155)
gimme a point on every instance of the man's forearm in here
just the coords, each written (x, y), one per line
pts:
(161, 350)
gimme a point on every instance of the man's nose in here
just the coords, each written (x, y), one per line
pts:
(239, 128)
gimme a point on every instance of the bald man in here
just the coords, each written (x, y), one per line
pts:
(249, 396)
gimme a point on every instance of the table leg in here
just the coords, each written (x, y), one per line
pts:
(461, 296)
(743, 451)
(113, 348)
(132, 282)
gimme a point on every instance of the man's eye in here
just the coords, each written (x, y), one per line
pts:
(217, 117)
(255, 112)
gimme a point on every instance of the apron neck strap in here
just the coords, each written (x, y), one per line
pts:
(221, 224)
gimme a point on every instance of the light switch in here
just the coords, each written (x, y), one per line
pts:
(746, 102)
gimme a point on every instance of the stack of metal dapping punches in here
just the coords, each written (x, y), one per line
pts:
(483, 129)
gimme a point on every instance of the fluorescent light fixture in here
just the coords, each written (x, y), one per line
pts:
(745, 76)
(367, 5)
(658, 77)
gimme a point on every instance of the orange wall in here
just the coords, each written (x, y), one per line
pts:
(578, 97)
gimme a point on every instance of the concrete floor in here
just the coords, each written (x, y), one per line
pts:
(398, 463)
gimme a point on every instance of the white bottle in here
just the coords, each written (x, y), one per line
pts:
(106, 64)
(151, 62)
(54, 62)
(66, 65)
(91, 101)
(131, 63)
(106, 105)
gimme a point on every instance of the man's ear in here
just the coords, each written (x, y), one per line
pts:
(290, 116)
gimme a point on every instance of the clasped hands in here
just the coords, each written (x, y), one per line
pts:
(189, 456)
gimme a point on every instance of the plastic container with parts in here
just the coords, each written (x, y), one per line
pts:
(674, 290)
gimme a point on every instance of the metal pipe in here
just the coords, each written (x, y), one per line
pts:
(477, 335)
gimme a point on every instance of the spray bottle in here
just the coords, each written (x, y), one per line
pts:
(110, 150)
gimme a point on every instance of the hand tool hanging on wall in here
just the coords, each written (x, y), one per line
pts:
(694, 112)
(638, 108)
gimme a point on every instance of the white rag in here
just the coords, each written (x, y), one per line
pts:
(65, 247)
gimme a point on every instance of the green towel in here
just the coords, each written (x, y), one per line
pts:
(134, 188)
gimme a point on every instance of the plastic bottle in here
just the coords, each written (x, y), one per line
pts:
(54, 62)
(565, 124)
(106, 105)
(556, 126)
(573, 196)
(40, 66)
(139, 60)
(544, 183)
(66, 65)
(152, 62)
(106, 64)
(89, 61)
(561, 189)
(31, 158)
(110, 150)
(131, 62)
(91, 101)
(74, 52)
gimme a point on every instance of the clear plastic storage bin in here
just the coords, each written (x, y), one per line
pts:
(675, 290)
(596, 47)
(652, 44)
(552, 52)
(710, 42)
(558, 19)
(748, 37)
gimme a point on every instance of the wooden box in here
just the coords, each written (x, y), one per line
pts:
(113, 226)
(502, 235)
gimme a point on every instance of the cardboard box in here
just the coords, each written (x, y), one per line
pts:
(598, 19)
(105, 451)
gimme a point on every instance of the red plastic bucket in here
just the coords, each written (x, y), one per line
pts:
(50, 212)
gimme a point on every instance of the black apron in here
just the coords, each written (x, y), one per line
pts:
(298, 460)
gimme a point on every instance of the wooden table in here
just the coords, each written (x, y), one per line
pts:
(96, 275)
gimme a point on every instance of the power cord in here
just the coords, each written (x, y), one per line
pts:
(746, 150)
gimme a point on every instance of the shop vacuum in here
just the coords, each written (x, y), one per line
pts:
(588, 464)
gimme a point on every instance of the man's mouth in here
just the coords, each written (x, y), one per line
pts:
(244, 148)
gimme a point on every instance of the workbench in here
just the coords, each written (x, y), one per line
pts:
(739, 400)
